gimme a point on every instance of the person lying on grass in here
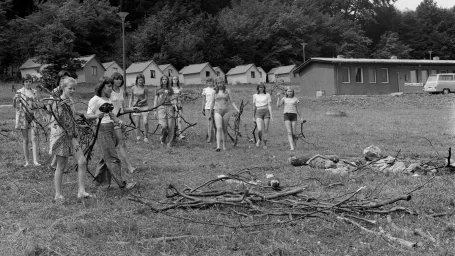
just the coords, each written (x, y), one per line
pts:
(291, 113)
(24, 101)
(262, 113)
(64, 140)
(109, 166)
(222, 98)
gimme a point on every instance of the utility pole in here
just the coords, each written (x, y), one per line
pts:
(303, 44)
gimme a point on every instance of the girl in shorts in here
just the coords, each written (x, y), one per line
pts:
(262, 113)
(165, 111)
(291, 113)
(222, 98)
(138, 99)
(25, 101)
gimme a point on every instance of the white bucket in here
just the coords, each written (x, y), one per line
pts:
(320, 93)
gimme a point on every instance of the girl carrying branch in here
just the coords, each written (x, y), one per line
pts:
(291, 113)
(24, 101)
(64, 140)
(118, 98)
(222, 98)
(166, 110)
(262, 113)
(109, 165)
(138, 99)
(177, 91)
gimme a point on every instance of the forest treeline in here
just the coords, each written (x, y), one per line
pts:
(225, 33)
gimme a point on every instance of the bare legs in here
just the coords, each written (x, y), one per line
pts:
(209, 125)
(122, 149)
(62, 161)
(263, 128)
(25, 141)
(221, 123)
(290, 127)
(137, 120)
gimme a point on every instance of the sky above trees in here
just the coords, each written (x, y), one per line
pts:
(412, 4)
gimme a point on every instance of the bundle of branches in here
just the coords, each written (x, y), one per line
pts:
(253, 198)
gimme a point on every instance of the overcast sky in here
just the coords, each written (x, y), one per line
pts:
(412, 4)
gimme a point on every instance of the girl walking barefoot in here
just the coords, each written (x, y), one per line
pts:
(207, 98)
(118, 98)
(64, 141)
(222, 99)
(262, 113)
(24, 101)
(138, 99)
(166, 114)
(291, 113)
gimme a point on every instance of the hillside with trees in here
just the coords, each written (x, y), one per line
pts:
(225, 33)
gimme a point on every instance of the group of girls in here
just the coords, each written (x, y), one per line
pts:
(217, 100)
(167, 108)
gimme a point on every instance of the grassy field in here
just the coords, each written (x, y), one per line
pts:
(419, 127)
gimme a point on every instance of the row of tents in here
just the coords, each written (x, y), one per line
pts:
(92, 70)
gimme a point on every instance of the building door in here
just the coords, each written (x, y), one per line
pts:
(400, 82)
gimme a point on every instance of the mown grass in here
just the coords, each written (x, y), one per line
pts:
(110, 224)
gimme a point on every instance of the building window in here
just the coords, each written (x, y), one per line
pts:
(152, 73)
(359, 75)
(207, 73)
(217, 73)
(169, 72)
(384, 75)
(433, 71)
(414, 78)
(345, 75)
(424, 75)
(443, 71)
(94, 70)
(372, 75)
(446, 78)
(115, 69)
(253, 75)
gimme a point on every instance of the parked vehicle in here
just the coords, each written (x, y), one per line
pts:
(444, 83)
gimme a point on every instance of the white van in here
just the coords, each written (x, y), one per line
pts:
(444, 83)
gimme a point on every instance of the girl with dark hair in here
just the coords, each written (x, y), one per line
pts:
(262, 113)
(291, 113)
(24, 101)
(177, 91)
(165, 111)
(220, 104)
(64, 141)
(117, 98)
(109, 165)
(138, 99)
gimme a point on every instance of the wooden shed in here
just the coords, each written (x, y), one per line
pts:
(271, 75)
(340, 76)
(149, 69)
(286, 73)
(220, 73)
(197, 73)
(169, 70)
(31, 67)
(92, 70)
(243, 74)
(112, 67)
(263, 75)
